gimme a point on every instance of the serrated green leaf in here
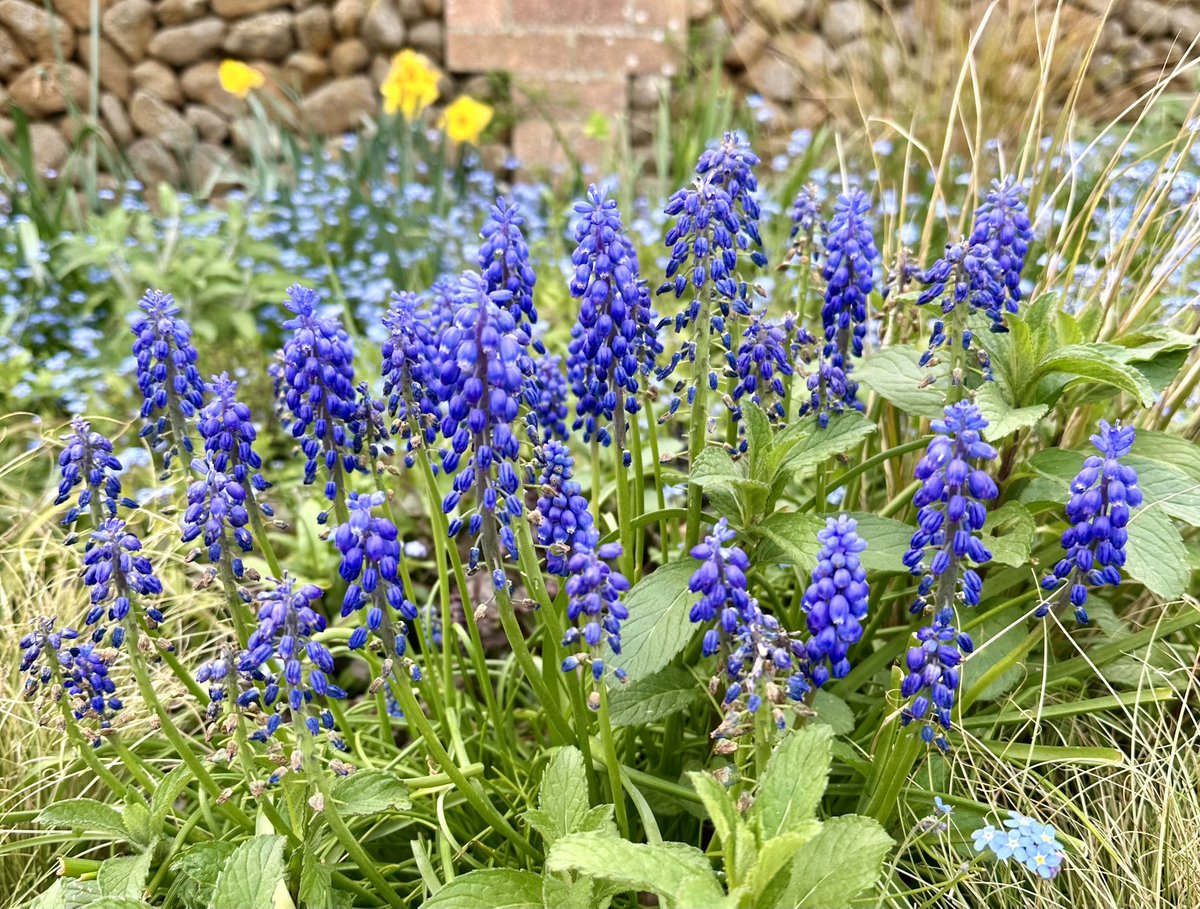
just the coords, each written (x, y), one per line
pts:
(887, 542)
(561, 892)
(371, 792)
(792, 536)
(714, 467)
(1090, 362)
(674, 871)
(1009, 534)
(833, 868)
(1155, 554)
(250, 875)
(136, 818)
(721, 811)
(1169, 488)
(793, 783)
(814, 445)
(758, 436)
(658, 626)
(85, 815)
(1004, 419)
(893, 374)
(489, 888)
(125, 876)
(562, 796)
(1170, 449)
(773, 857)
(653, 698)
(196, 871)
(833, 712)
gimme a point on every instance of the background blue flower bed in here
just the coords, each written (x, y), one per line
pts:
(445, 543)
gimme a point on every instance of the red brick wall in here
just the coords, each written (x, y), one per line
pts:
(568, 60)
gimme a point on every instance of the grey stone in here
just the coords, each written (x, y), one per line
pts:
(773, 76)
(427, 36)
(36, 31)
(843, 21)
(48, 147)
(12, 58)
(114, 68)
(185, 44)
(177, 12)
(129, 25)
(383, 27)
(115, 120)
(44, 88)
(152, 163)
(267, 36)
(232, 9)
(159, 80)
(314, 29)
(340, 105)
(154, 117)
(348, 17)
(208, 124)
(348, 57)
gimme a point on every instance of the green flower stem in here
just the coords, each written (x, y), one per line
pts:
(638, 500)
(260, 533)
(441, 529)
(339, 501)
(663, 527)
(229, 584)
(612, 764)
(134, 764)
(624, 515)
(698, 427)
(594, 450)
(516, 638)
(329, 812)
(185, 677)
(475, 797)
(167, 723)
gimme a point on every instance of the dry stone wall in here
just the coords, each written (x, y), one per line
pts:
(160, 99)
(161, 102)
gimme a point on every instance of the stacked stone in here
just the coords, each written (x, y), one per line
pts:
(807, 58)
(160, 99)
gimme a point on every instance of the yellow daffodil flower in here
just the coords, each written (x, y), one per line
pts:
(466, 119)
(239, 79)
(410, 85)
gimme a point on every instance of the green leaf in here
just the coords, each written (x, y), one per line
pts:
(833, 868)
(714, 467)
(84, 815)
(792, 538)
(1168, 488)
(163, 800)
(562, 796)
(196, 871)
(793, 782)
(125, 876)
(658, 626)
(489, 888)
(1156, 556)
(887, 542)
(759, 436)
(251, 874)
(833, 712)
(1090, 362)
(136, 818)
(814, 445)
(1001, 634)
(723, 813)
(774, 856)
(1004, 419)
(1170, 449)
(653, 698)
(561, 892)
(893, 374)
(1009, 534)
(676, 872)
(371, 792)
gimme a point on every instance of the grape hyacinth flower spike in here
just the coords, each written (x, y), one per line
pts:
(849, 273)
(113, 569)
(229, 437)
(484, 365)
(835, 602)
(167, 376)
(286, 624)
(721, 582)
(216, 512)
(370, 550)
(315, 382)
(1103, 495)
(933, 667)
(409, 371)
(563, 517)
(1002, 225)
(761, 366)
(951, 510)
(594, 606)
(829, 392)
(504, 261)
(603, 355)
(88, 459)
(546, 394)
